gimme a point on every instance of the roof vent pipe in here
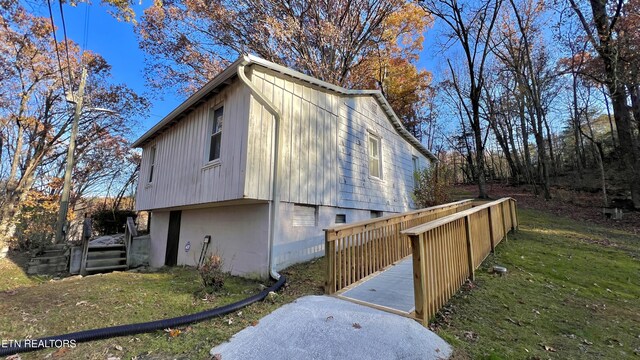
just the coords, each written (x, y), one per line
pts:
(275, 190)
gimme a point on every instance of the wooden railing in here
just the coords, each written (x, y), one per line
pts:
(356, 250)
(130, 232)
(447, 251)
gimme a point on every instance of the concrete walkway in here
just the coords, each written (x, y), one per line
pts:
(392, 288)
(323, 327)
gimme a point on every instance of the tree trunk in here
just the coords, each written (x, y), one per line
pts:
(477, 133)
(606, 104)
(627, 141)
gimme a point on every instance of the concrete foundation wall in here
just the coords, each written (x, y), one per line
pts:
(239, 234)
(295, 244)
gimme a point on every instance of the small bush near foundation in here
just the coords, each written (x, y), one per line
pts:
(433, 186)
(211, 273)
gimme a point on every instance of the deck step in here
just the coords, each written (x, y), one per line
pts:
(108, 261)
(47, 268)
(106, 268)
(105, 247)
(59, 259)
(106, 254)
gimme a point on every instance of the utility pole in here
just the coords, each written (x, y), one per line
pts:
(66, 189)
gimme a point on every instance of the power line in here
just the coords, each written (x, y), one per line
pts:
(85, 43)
(66, 42)
(55, 40)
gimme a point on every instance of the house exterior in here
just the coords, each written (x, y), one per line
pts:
(208, 168)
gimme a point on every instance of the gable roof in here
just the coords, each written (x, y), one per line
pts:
(230, 73)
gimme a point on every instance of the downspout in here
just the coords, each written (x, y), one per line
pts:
(275, 190)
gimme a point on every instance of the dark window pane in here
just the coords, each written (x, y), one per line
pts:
(216, 133)
(214, 150)
(217, 121)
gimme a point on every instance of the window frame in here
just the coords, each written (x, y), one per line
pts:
(378, 140)
(152, 163)
(212, 122)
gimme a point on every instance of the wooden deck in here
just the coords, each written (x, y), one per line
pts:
(390, 289)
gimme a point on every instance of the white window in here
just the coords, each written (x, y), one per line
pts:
(152, 163)
(375, 158)
(305, 215)
(215, 118)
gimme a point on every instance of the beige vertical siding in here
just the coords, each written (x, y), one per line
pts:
(181, 175)
(325, 148)
(324, 151)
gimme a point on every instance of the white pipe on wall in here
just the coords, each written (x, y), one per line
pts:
(275, 190)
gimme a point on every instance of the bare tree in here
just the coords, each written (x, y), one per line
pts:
(470, 25)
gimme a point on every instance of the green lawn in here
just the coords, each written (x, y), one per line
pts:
(36, 309)
(572, 292)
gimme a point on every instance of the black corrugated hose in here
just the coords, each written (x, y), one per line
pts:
(131, 329)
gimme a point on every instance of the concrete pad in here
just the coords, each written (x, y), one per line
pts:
(323, 327)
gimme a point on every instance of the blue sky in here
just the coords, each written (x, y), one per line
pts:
(117, 43)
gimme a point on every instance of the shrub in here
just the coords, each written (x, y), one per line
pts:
(107, 221)
(211, 273)
(35, 226)
(432, 186)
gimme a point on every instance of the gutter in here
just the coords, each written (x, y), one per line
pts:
(225, 76)
(274, 219)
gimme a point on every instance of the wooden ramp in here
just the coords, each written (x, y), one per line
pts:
(390, 289)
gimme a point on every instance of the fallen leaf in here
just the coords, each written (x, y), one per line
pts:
(14, 357)
(60, 352)
(216, 357)
(587, 342)
(173, 332)
(117, 347)
(329, 318)
(549, 348)
(356, 326)
(254, 323)
(83, 302)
